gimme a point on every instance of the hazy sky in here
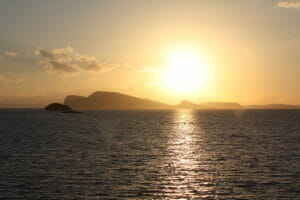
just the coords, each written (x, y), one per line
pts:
(49, 49)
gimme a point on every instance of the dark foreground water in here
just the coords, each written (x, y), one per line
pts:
(180, 154)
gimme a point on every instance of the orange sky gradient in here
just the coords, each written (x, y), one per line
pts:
(231, 51)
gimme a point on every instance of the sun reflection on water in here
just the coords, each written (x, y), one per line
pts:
(187, 175)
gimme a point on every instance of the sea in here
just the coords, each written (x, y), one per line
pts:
(150, 154)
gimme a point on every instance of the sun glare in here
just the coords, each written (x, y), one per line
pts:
(187, 72)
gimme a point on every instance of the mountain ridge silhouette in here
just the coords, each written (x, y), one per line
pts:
(112, 100)
(116, 100)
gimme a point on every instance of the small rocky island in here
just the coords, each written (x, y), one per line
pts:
(60, 107)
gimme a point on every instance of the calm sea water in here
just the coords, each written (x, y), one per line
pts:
(182, 154)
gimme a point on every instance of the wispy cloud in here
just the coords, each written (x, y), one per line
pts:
(289, 4)
(10, 54)
(5, 79)
(22, 57)
(67, 60)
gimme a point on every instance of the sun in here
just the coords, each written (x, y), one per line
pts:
(186, 72)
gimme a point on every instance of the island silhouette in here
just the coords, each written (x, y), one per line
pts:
(115, 100)
(60, 107)
(112, 100)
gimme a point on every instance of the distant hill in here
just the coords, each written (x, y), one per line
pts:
(274, 106)
(232, 105)
(186, 104)
(209, 105)
(112, 100)
(220, 105)
(115, 100)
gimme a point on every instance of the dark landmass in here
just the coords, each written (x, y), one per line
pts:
(186, 104)
(209, 105)
(60, 107)
(275, 106)
(234, 106)
(220, 105)
(112, 100)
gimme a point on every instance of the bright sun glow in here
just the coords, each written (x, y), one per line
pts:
(187, 72)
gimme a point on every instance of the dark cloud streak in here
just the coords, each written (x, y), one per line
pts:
(68, 61)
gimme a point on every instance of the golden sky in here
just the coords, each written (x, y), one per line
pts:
(244, 51)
